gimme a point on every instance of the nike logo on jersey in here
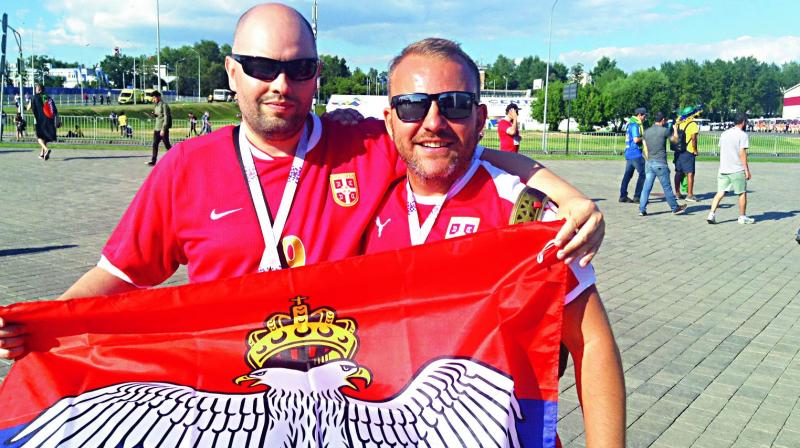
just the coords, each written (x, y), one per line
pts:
(215, 216)
(381, 225)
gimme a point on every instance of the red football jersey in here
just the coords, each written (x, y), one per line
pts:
(195, 207)
(507, 142)
(486, 202)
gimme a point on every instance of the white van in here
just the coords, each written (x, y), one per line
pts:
(223, 95)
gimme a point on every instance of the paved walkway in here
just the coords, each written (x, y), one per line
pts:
(707, 317)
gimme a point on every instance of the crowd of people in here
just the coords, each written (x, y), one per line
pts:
(786, 126)
(646, 153)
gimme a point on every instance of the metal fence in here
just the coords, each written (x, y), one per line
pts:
(76, 99)
(607, 144)
(102, 130)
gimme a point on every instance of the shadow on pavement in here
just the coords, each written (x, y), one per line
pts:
(33, 250)
(9, 151)
(66, 159)
(776, 216)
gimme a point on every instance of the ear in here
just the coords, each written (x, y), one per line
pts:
(387, 120)
(480, 117)
(230, 68)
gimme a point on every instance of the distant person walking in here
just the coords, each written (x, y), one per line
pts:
(655, 153)
(633, 156)
(113, 121)
(163, 122)
(192, 124)
(206, 129)
(508, 129)
(687, 152)
(21, 125)
(734, 171)
(122, 119)
(45, 117)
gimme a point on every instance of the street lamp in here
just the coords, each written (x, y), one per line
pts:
(198, 73)
(80, 74)
(158, 43)
(547, 77)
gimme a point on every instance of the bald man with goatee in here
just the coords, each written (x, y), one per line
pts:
(284, 189)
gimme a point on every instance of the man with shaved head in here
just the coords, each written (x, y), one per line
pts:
(284, 189)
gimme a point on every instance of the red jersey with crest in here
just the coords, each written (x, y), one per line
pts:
(195, 207)
(486, 202)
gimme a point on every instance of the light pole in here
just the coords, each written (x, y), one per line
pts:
(158, 43)
(547, 77)
(506, 78)
(20, 63)
(198, 73)
(81, 78)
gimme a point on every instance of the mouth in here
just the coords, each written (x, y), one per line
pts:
(279, 106)
(434, 146)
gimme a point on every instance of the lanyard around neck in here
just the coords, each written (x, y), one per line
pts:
(420, 233)
(271, 259)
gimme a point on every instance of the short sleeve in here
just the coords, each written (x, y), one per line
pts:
(143, 249)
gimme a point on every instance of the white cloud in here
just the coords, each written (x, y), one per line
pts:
(766, 49)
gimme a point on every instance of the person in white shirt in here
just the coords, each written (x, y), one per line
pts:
(733, 169)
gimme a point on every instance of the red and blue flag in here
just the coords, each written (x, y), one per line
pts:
(445, 344)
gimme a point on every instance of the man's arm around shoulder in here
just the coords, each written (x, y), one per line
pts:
(598, 370)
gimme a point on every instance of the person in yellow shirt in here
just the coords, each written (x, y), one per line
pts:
(123, 123)
(686, 154)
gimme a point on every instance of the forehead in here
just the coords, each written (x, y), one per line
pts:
(430, 74)
(281, 37)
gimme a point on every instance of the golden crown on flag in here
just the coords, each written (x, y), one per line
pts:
(302, 339)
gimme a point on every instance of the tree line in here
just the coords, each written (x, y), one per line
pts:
(724, 87)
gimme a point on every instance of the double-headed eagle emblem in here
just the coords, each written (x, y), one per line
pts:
(305, 360)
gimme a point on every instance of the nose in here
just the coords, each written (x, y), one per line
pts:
(280, 84)
(434, 120)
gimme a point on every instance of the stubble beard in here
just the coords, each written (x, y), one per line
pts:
(272, 127)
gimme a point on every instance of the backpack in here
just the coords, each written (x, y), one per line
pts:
(680, 145)
(49, 108)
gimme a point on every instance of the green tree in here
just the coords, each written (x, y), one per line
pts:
(556, 108)
(587, 108)
(529, 68)
(497, 73)
(576, 73)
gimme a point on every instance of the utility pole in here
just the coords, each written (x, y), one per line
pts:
(134, 80)
(158, 43)
(314, 31)
(3, 71)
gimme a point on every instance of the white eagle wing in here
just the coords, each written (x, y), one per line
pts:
(452, 402)
(149, 414)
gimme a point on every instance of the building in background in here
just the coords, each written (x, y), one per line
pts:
(791, 103)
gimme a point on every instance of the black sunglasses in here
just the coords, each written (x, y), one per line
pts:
(414, 106)
(267, 69)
